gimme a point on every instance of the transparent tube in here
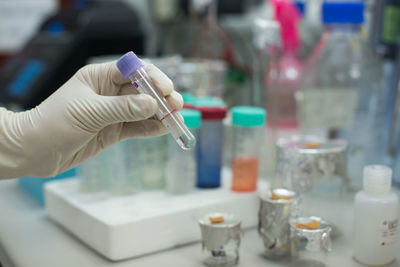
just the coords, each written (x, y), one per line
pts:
(165, 114)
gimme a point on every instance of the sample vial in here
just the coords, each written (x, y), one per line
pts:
(93, 174)
(310, 241)
(181, 165)
(209, 147)
(248, 125)
(221, 235)
(132, 68)
(123, 178)
(149, 161)
(375, 218)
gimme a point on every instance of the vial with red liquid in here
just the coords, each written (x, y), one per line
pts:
(248, 123)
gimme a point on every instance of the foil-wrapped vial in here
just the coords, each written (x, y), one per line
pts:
(221, 234)
(311, 163)
(310, 241)
(276, 209)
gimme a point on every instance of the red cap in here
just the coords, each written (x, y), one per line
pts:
(188, 106)
(212, 113)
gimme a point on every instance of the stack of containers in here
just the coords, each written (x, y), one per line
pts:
(150, 161)
(248, 127)
(181, 164)
(210, 143)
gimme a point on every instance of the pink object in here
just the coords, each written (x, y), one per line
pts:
(288, 17)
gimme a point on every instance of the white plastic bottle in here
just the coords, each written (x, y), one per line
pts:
(375, 218)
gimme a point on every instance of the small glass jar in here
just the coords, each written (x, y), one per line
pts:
(181, 164)
(209, 146)
(248, 125)
(221, 234)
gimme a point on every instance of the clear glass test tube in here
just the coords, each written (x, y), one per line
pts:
(132, 68)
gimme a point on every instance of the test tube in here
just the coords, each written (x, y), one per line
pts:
(132, 68)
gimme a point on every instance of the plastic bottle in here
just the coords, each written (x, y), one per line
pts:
(210, 146)
(375, 218)
(181, 165)
(248, 127)
(335, 93)
(284, 77)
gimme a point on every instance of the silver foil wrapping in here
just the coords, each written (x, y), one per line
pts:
(216, 235)
(302, 169)
(309, 246)
(273, 222)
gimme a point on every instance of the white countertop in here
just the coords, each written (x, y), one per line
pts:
(28, 239)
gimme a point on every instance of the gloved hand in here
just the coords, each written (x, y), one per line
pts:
(95, 109)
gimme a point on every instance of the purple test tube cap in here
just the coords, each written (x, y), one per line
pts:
(129, 64)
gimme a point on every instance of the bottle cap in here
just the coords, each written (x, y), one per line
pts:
(377, 178)
(248, 116)
(351, 12)
(212, 113)
(192, 118)
(129, 64)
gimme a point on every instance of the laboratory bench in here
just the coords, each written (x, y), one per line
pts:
(28, 238)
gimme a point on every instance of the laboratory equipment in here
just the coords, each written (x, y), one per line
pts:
(149, 161)
(93, 174)
(63, 44)
(132, 68)
(209, 146)
(336, 87)
(248, 132)
(123, 168)
(34, 186)
(277, 207)
(181, 165)
(376, 212)
(310, 241)
(119, 227)
(221, 235)
(201, 77)
(307, 163)
(283, 79)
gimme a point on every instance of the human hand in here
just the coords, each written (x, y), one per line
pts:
(95, 109)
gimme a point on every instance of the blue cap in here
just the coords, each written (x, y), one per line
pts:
(128, 64)
(343, 12)
(301, 6)
(192, 118)
(248, 116)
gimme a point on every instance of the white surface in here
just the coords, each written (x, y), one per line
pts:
(28, 238)
(119, 227)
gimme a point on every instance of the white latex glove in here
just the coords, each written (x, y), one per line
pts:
(95, 109)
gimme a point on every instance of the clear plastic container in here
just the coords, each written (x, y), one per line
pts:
(376, 214)
(209, 147)
(181, 165)
(122, 170)
(248, 130)
(132, 68)
(335, 93)
(149, 161)
(93, 175)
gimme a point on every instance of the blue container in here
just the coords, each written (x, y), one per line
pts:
(35, 186)
(209, 147)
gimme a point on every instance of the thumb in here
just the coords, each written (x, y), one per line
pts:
(108, 110)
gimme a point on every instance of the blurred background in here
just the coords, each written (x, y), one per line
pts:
(244, 52)
(326, 72)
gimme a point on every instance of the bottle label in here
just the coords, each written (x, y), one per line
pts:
(327, 107)
(388, 232)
